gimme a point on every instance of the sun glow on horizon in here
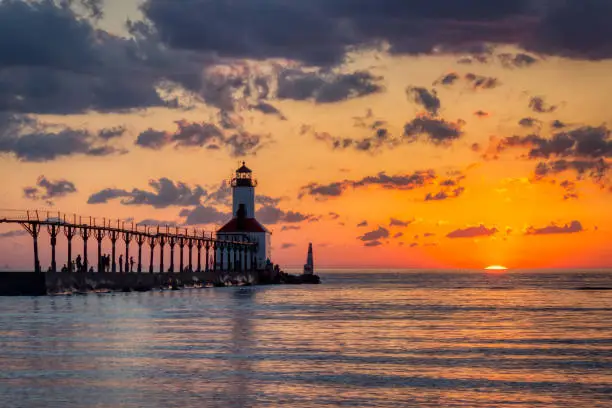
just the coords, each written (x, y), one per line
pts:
(496, 268)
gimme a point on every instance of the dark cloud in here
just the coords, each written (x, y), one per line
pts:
(519, 60)
(202, 135)
(481, 82)
(529, 122)
(334, 216)
(481, 114)
(375, 235)
(165, 193)
(572, 227)
(448, 79)
(363, 223)
(49, 189)
(557, 124)
(399, 223)
(472, 232)
(596, 169)
(445, 194)
(272, 29)
(570, 189)
(111, 133)
(322, 87)
(399, 182)
(425, 98)
(202, 215)
(268, 109)
(539, 105)
(290, 228)
(287, 245)
(428, 234)
(381, 138)
(398, 235)
(267, 200)
(32, 141)
(13, 234)
(71, 66)
(154, 223)
(372, 244)
(274, 215)
(414, 245)
(436, 131)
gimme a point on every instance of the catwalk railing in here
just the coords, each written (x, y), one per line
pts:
(235, 255)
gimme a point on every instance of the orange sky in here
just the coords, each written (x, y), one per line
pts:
(503, 208)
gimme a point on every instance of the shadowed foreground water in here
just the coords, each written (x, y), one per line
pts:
(360, 339)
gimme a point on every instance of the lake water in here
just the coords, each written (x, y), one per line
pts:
(361, 339)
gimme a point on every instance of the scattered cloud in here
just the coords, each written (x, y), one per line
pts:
(202, 215)
(273, 215)
(374, 235)
(436, 131)
(290, 228)
(268, 109)
(539, 105)
(49, 189)
(481, 114)
(372, 243)
(472, 232)
(31, 141)
(287, 245)
(518, 60)
(394, 222)
(445, 194)
(425, 98)
(399, 182)
(481, 82)
(529, 122)
(572, 227)
(202, 135)
(165, 193)
(363, 223)
(13, 234)
(398, 235)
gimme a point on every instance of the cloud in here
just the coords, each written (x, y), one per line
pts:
(518, 60)
(448, 79)
(399, 223)
(274, 215)
(539, 105)
(372, 244)
(111, 133)
(374, 235)
(398, 235)
(241, 29)
(153, 223)
(202, 215)
(290, 228)
(436, 131)
(481, 114)
(268, 109)
(399, 182)
(557, 124)
(202, 135)
(572, 227)
(48, 189)
(13, 234)
(363, 223)
(445, 194)
(165, 193)
(472, 232)
(334, 216)
(529, 122)
(424, 97)
(481, 82)
(267, 200)
(287, 245)
(31, 141)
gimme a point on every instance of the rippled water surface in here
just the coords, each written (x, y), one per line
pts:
(366, 339)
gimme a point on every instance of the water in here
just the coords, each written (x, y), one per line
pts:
(360, 340)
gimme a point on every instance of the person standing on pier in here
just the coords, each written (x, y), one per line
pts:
(79, 265)
(131, 263)
(121, 263)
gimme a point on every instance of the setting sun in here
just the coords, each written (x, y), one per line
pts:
(496, 268)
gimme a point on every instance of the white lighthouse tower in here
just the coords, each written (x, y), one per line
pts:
(243, 223)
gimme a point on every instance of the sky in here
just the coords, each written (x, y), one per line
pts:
(389, 133)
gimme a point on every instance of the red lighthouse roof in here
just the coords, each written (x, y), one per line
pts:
(248, 225)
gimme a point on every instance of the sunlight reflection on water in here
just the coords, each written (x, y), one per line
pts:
(360, 339)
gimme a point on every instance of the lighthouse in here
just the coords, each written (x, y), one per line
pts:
(243, 224)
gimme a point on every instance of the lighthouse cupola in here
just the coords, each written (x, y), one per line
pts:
(243, 192)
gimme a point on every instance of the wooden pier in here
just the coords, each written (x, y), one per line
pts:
(236, 255)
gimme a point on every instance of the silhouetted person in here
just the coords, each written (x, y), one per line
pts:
(64, 268)
(131, 263)
(79, 265)
(91, 269)
(120, 263)
(72, 266)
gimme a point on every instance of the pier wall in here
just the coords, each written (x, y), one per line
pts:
(37, 284)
